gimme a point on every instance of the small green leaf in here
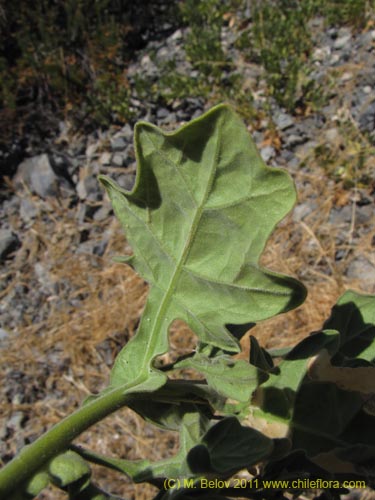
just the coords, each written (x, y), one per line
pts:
(198, 218)
(69, 468)
(37, 483)
(232, 378)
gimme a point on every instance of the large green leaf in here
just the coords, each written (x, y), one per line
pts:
(198, 218)
(324, 389)
(228, 447)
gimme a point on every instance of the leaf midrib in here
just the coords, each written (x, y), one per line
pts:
(165, 303)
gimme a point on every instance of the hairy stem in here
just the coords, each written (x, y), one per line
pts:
(57, 439)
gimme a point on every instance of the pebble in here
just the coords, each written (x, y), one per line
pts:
(118, 143)
(332, 135)
(28, 210)
(4, 338)
(294, 140)
(9, 242)
(117, 160)
(361, 268)
(283, 121)
(105, 158)
(37, 174)
(341, 42)
(267, 153)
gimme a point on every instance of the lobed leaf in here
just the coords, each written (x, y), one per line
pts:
(198, 218)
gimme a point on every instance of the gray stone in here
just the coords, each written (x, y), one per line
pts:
(37, 174)
(28, 210)
(283, 121)
(332, 135)
(321, 53)
(103, 212)
(9, 242)
(46, 279)
(162, 113)
(367, 118)
(340, 216)
(105, 158)
(340, 42)
(127, 131)
(3, 334)
(4, 338)
(294, 140)
(88, 188)
(364, 214)
(117, 160)
(301, 211)
(346, 77)
(361, 268)
(267, 153)
(334, 59)
(118, 143)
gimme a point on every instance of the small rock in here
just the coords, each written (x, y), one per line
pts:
(361, 268)
(346, 76)
(176, 36)
(91, 150)
(4, 337)
(9, 242)
(118, 143)
(367, 119)
(340, 42)
(88, 189)
(283, 121)
(162, 113)
(28, 210)
(15, 421)
(334, 59)
(103, 212)
(320, 54)
(332, 135)
(340, 216)
(294, 140)
(301, 211)
(45, 278)
(127, 132)
(37, 174)
(105, 158)
(267, 153)
(117, 160)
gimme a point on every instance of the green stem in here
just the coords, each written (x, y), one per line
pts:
(56, 440)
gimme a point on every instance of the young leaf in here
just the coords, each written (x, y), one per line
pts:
(234, 378)
(201, 211)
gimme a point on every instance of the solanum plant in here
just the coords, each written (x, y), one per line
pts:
(198, 218)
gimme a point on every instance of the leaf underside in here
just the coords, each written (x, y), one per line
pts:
(198, 218)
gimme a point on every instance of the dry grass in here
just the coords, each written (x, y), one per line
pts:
(64, 352)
